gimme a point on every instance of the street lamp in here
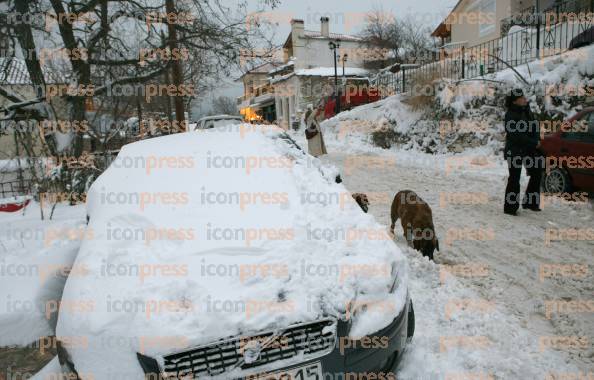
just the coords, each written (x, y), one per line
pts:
(335, 46)
(344, 59)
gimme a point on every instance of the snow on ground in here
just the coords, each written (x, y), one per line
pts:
(498, 314)
(559, 76)
(468, 114)
(479, 309)
(488, 317)
(34, 256)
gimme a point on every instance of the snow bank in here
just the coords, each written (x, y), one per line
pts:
(34, 257)
(465, 116)
(551, 81)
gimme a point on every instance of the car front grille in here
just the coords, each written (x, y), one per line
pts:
(308, 340)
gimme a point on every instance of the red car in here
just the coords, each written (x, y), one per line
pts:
(571, 152)
(350, 101)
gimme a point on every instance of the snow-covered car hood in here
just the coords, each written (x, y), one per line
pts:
(197, 237)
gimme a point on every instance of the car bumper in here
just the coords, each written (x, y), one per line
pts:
(378, 353)
(381, 354)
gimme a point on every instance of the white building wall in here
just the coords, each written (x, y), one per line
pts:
(316, 53)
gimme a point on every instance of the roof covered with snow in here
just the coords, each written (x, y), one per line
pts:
(329, 72)
(332, 36)
(323, 72)
(262, 68)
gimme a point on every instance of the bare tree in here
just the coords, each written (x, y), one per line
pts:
(417, 41)
(405, 40)
(121, 45)
(224, 105)
(115, 33)
(381, 30)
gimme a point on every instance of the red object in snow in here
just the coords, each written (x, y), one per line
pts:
(13, 207)
(349, 101)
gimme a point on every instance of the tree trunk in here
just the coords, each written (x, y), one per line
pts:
(176, 67)
(82, 71)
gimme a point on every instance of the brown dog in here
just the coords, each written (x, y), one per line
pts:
(362, 200)
(417, 222)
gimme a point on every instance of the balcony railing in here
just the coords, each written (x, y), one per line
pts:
(513, 49)
(528, 16)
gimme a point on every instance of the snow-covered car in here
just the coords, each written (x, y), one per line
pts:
(245, 265)
(216, 121)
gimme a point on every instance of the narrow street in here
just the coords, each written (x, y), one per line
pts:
(472, 291)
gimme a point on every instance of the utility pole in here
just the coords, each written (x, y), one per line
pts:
(175, 64)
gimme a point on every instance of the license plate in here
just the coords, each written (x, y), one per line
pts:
(312, 371)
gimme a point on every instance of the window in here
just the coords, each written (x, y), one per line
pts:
(590, 119)
(591, 123)
(583, 135)
(487, 17)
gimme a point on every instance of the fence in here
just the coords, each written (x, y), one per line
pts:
(11, 189)
(22, 181)
(514, 49)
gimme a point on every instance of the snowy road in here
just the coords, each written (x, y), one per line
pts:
(488, 307)
(480, 310)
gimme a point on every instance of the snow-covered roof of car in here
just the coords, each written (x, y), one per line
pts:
(187, 209)
(221, 117)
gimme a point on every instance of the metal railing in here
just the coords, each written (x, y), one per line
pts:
(512, 50)
(14, 188)
(527, 16)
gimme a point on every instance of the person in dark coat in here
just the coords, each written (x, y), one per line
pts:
(522, 144)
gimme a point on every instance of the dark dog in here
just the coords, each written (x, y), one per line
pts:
(362, 201)
(417, 222)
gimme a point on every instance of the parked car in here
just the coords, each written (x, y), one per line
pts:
(226, 261)
(215, 121)
(583, 39)
(350, 101)
(574, 151)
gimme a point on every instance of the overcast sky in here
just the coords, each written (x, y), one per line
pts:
(346, 16)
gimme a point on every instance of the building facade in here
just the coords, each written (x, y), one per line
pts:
(257, 102)
(307, 76)
(472, 22)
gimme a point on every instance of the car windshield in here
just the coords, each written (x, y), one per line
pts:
(223, 122)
